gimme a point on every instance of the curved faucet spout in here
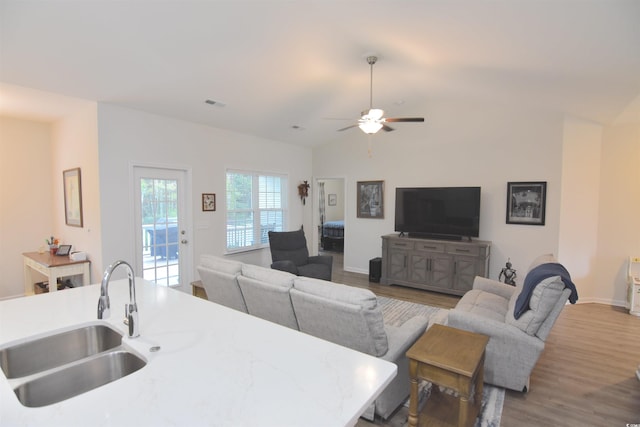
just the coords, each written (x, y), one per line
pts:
(131, 309)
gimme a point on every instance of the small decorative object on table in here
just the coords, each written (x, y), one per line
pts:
(53, 245)
(508, 273)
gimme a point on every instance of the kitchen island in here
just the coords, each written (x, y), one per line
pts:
(215, 367)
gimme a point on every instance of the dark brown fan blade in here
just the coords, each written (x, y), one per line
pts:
(348, 127)
(387, 128)
(404, 119)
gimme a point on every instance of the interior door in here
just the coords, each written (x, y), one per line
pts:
(162, 237)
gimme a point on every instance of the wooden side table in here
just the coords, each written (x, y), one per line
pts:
(197, 290)
(53, 266)
(450, 358)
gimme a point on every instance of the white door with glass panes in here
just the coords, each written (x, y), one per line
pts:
(162, 239)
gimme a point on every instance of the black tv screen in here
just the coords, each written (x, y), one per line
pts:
(438, 211)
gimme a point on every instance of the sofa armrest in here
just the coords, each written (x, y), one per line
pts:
(494, 287)
(321, 259)
(288, 266)
(401, 338)
(499, 332)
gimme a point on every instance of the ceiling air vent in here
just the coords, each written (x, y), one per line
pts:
(216, 103)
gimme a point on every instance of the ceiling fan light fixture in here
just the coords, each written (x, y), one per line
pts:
(370, 126)
(373, 114)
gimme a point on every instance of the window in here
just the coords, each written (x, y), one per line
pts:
(256, 204)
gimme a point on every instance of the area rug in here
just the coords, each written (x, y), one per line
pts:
(395, 313)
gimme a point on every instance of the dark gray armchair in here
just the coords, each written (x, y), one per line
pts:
(289, 253)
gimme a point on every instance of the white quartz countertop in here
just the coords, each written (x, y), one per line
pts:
(216, 366)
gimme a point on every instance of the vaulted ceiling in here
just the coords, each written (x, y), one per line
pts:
(275, 65)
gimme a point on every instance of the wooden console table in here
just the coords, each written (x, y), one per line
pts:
(434, 265)
(454, 359)
(53, 266)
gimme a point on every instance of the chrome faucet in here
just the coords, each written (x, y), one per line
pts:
(130, 310)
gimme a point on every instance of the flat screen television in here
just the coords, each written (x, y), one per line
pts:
(438, 212)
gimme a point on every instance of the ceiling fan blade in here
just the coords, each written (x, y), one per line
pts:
(387, 128)
(348, 127)
(404, 119)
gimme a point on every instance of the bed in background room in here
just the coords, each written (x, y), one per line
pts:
(333, 236)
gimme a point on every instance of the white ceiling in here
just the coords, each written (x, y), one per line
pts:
(277, 63)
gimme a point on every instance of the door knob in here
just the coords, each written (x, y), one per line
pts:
(184, 241)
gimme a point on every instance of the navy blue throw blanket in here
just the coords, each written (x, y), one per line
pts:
(537, 275)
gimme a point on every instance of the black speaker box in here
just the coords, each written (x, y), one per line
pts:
(375, 270)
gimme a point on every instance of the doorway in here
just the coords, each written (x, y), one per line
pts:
(330, 214)
(162, 238)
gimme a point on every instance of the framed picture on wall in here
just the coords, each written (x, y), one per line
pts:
(526, 202)
(72, 197)
(370, 199)
(208, 202)
(333, 199)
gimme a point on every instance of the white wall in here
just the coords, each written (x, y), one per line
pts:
(580, 203)
(26, 200)
(334, 186)
(460, 144)
(619, 219)
(32, 157)
(592, 172)
(128, 136)
(75, 144)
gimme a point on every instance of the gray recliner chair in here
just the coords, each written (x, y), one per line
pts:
(515, 343)
(289, 253)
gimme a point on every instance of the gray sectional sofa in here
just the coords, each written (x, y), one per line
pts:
(342, 314)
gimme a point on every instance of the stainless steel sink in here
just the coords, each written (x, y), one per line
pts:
(40, 354)
(61, 365)
(78, 378)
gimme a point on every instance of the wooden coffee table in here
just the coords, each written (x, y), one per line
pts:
(450, 358)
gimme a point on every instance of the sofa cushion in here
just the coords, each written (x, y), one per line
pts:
(269, 301)
(222, 288)
(274, 277)
(220, 264)
(341, 314)
(484, 304)
(544, 297)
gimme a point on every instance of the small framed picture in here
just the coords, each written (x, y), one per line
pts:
(526, 202)
(333, 199)
(370, 199)
(208, 202)
(72, 197)
(63, 250)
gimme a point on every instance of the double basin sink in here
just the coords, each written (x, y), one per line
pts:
(61, 365)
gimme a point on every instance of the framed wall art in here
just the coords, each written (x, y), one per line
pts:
(72, 197)
(526, 202)
(370, 199)
(333, 199)
(208, 202)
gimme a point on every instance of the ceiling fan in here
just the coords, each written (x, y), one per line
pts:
(372, 120)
